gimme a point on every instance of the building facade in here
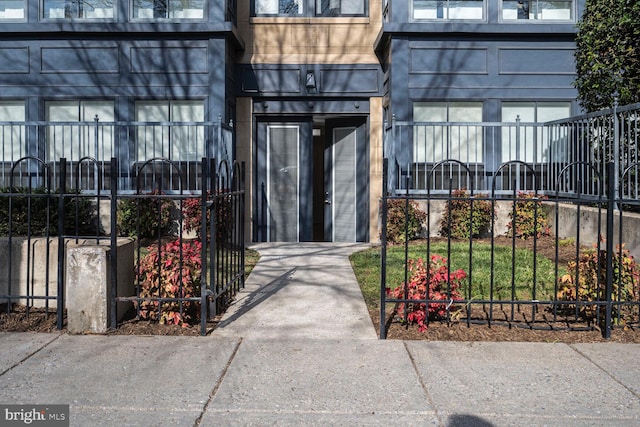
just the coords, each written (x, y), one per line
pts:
(310, 86)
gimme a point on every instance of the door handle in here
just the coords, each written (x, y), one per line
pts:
(327, 199)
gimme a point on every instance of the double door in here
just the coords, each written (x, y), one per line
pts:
(312, 179)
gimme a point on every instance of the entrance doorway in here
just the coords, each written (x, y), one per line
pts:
(312, 179)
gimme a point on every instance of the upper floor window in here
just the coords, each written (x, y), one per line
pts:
(12, 9)
(310, 7)
(560, 10)
(78, 9)
(448, 9)
(168, 9)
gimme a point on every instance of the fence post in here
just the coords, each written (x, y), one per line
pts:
(204, 297)
(61, 257)
(113, 205)
(611, 201)
(383, 249)
(616, 150)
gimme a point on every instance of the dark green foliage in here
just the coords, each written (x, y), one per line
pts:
(586, 282)
(608, 54)
(457, 220)
(144, 217)
(531, 218)
(32, 210)
(399, 216)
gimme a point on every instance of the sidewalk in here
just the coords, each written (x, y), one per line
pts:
(297, 348)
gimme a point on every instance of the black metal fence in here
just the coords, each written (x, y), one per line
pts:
(187, 260)
(560, 259)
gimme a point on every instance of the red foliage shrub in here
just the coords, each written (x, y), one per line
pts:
(170, 271)
(441, 285)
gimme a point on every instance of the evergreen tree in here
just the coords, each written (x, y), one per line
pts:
(608, 54)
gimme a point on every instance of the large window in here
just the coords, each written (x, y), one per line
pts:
(310, 7)
(12, 9)
(162, 135)
(444, 136)
(77, 137)
(12, 145)
(78, 9)
(448, 9)
(526, 142)
(168, 9)
(561, 10)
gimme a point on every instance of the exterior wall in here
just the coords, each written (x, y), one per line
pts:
(118, 59)
(290, 40)
(375, 168)
(278, 54)
(489, 61)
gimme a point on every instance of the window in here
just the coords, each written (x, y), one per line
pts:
(12, 145)
(12, 9)
(561, 10)
(448, 9)
(158, 138)
(75, 141)
(168, 9)
(310, 7)
(528, 143)
(78, 9)
(442, 139)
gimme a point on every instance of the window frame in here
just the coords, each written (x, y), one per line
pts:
(536, 155)
(15, 19)
(18, 131)
(43, 4)
(87, 122)
(175, 144)
(309, 11)
(534, 20)
(132, 14)
(483, 18)
(448, 137)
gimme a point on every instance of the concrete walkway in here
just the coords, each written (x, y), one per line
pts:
(298, 349)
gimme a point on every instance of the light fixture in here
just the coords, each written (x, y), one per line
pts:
(311, 81)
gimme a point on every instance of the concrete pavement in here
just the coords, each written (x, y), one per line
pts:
(297, 348)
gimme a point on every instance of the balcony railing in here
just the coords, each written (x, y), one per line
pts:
(568, 155)
(90, 146)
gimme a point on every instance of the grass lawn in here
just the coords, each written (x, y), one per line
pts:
(512, 272)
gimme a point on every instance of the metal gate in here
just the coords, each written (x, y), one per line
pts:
(178, 275)
(556, 295)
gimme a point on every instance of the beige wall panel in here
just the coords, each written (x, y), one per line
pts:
(375, 167)
(309, 40)
(244, 150)
(310, 36)
(360, 38)
(270, 37)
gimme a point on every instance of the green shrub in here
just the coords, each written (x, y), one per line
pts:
(457, 214)
(29, 210)
(442, 284)
(586, 282)
(144, 217)
(172, 270)
(398, 218)
(531, 218)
